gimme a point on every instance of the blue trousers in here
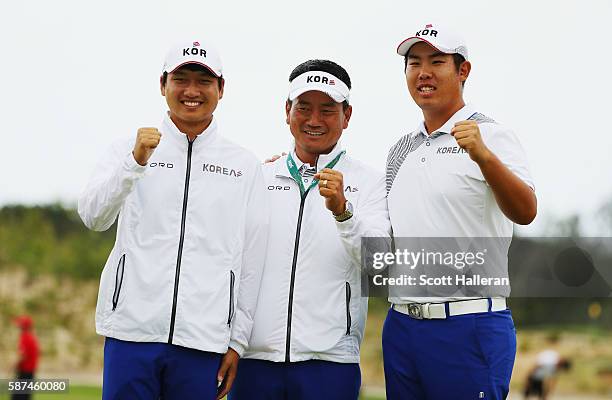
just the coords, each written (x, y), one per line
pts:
(462, 357)
(305, 380)
(150, 371)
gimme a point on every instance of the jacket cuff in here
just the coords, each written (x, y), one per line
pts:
(237, 347)
(131, 165)
(346, 227)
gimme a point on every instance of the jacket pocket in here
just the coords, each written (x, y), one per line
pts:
(118, 281)
(348, 308)
(230, 313)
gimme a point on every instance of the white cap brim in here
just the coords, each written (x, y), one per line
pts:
(405, 46)
(326, 83)
(338, 97)
(170, 69)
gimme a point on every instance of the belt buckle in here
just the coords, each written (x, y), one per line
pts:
(415, 311)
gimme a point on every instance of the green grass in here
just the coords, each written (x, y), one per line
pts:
(74, 393)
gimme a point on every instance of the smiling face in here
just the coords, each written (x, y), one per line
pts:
(192, 95)
(316, 122)
(433, 80)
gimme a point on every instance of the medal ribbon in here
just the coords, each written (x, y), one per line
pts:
(298, 178)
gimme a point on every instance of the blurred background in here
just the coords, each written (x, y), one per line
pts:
(79, 75)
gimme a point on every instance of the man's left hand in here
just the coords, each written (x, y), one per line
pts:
(467, 135)
(227, 372)
(331, 187)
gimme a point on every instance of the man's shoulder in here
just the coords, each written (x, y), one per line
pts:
(403, 141)
(481, 118)
(231, 149)
(357, 169)
(359, 166)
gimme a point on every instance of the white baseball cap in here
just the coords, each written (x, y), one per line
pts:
(320, 81)
(439, 37)
(193, 52)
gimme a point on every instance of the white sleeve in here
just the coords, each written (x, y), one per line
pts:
(253, 254)
(370, 219)
(110, 183)
(505, 145)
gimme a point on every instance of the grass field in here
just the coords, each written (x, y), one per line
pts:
(75, 393)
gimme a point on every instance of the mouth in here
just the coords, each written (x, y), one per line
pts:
(426, 89)
(190, 103)
(314, 133)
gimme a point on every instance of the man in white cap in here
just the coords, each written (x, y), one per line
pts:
(310, 315)
(178, 292)
(460, 174)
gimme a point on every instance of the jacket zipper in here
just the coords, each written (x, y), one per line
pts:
(231, 303)
(181, 240)
(118, 281)
(293, 268)
(348, 308)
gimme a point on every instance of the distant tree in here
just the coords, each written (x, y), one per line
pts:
(51, 239)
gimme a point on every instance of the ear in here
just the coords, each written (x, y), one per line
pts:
(464, 70)
(347, 116)
(162, 87)
(287, 111)
(221, 88)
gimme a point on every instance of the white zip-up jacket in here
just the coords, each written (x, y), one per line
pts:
(187, 262)
(310, 305)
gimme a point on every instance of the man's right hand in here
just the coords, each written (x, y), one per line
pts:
(274, 158)
(147, 140)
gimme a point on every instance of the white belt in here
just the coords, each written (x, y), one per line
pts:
(460, 307)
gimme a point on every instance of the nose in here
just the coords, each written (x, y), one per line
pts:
(424, 72)
(192, 89)
(314, 119)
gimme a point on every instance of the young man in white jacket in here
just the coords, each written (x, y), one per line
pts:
(178, 292)
(310, 316)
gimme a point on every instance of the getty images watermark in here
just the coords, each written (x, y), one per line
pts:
(484, 267)
(455, 261)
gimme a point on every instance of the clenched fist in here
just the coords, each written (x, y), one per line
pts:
(467, 135)
(331, 187)
(147, 140)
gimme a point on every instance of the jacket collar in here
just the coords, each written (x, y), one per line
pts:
(205, 137)
(323, 159)
(461, 115)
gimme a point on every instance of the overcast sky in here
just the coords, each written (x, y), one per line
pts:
(78, 74)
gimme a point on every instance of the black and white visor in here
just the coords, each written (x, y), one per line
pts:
(320, 81)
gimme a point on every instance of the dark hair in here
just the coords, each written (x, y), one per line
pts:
(326, 66)
(194, 67)
(458, 59)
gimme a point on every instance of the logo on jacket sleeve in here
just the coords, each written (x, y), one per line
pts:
(279, 187)
(161, 165)
(221, 170)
